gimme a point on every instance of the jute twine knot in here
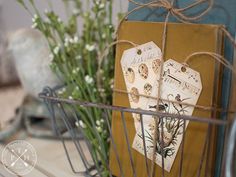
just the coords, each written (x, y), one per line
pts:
(179, 14)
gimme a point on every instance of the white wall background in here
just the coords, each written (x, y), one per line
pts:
(14, 16)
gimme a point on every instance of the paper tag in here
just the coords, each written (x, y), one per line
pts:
(141, 68)
(181, 84)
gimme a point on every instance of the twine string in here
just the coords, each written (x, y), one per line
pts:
(196, 106)
(102, 55)
(178, 13)
(219, 58)
(164, 36)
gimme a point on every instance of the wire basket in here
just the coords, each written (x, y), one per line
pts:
(84, 148)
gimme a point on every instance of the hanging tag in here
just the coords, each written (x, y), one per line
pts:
(141, 67)
(182, 85)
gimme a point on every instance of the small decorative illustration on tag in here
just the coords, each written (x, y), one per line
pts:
(179, 90)
(140, 67)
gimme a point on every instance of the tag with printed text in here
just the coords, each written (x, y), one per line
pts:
(183, 86)
(141, 69)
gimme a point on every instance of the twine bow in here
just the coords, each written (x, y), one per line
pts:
(178, 13)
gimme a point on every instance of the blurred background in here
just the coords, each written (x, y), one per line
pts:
(18, 111)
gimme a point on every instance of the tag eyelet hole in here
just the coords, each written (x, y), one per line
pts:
(183, 69)
(139, 51)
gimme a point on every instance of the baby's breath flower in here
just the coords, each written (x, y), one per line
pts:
(99, 129)
(74, 71)
(56, 50)
(71, 40)
(63, 89)
(66, 43)
(70, 98)
(77, 124)
(81, 123)
(88, 79)
(78, 57)
(104, 36)
(51, 57)
(34, 25)
(101, 6)
(97, 2)
(90, 48)
(76, 39)
(46, 11)
(112, 86)
(59, 20)
(60, 92)
(77, 88)
(36, 16)
(102, 90)
(75, 11)
(33, 20)
(98, 122)
(111, 83)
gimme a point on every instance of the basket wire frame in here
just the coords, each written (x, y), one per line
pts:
(93, 169)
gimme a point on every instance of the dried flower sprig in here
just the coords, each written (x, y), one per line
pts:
(74, 58)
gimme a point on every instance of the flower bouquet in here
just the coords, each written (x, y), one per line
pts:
(75, 59)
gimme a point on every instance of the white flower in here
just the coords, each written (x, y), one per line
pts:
(102, 90)
(51, 57)
(99, 129)
(59, 20)
(70, 98)
(56, 50)
(81, 123)
(60, 92)
(102, 5)
(63, 90)
(76, 39)
(46, 11)
(111, 83)
(33, 20)
(103, 35)
(71, 40)
(77, 69)
(90, 48)
(74, 71)
(66, 43)
(36, 16)
(88, 79)
(78, 57)
(34, 25)
(67, 39)
(77, 124)
(75, 11)
(102, 121)
(98, 122)
(77, 88)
